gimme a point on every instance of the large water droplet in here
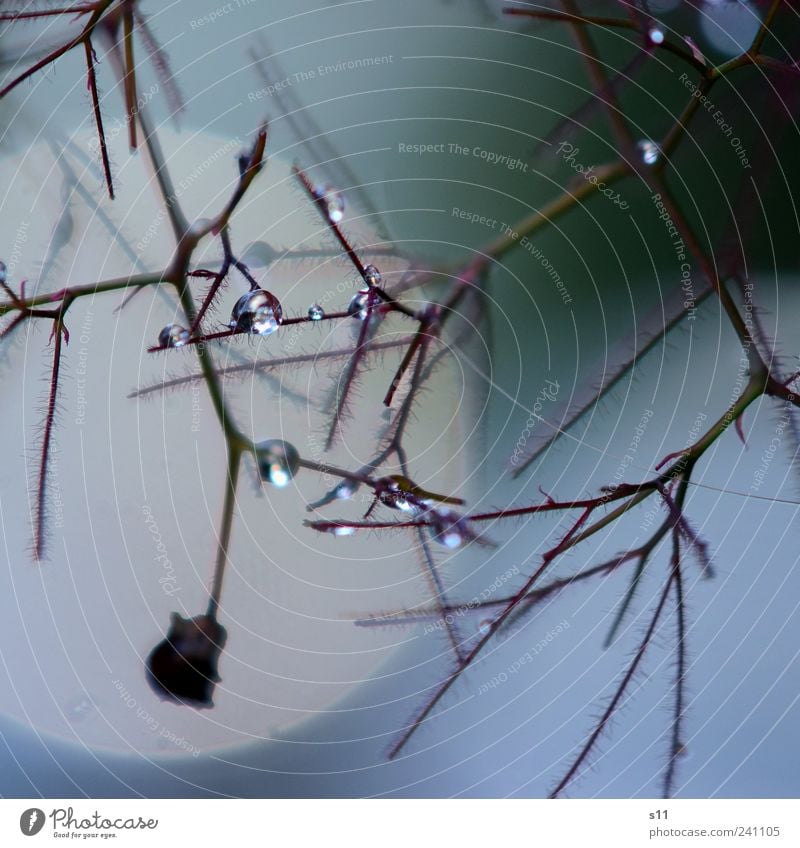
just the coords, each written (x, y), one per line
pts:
(173, 335)
(649, 151)
(372, 276)
(278, 461)
(257, 312)
(316, 312)
(655, 35)
(358, 305)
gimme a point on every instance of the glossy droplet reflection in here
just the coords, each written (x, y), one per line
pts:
(278, 461)
(448, 528)
(333, 200)
(183, 667)
(372, 276)
(358, 305)
(649, 151)
(257, 312)
(173, 335)
(655, 35)
(484, 626)
(316, 312)
(345, 490)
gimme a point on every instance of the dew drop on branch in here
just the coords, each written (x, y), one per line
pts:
(649, 151)
(448, 528)
(358, 305)
(345, 490)
(316, 312)
(257, 312)
(372, 276)
(278, 461)
(173, 335)
(334, 202)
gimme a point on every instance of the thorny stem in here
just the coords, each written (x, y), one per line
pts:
(618, 695)
(98, 117)
(47, 441)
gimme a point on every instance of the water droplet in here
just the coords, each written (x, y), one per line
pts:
(278, 461)
(345, 490)
(343, 531)
(316, 312)
(80, 708)
(334, 202)
(448, 528)
(655, 35)
(649, 151)
(484, 626)
(372, 276)
(257, 312)
(173, 335)
(358, 305)
(3, 272)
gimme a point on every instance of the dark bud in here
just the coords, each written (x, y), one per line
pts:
(183, 667)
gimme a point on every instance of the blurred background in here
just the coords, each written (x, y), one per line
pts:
(441, 124)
